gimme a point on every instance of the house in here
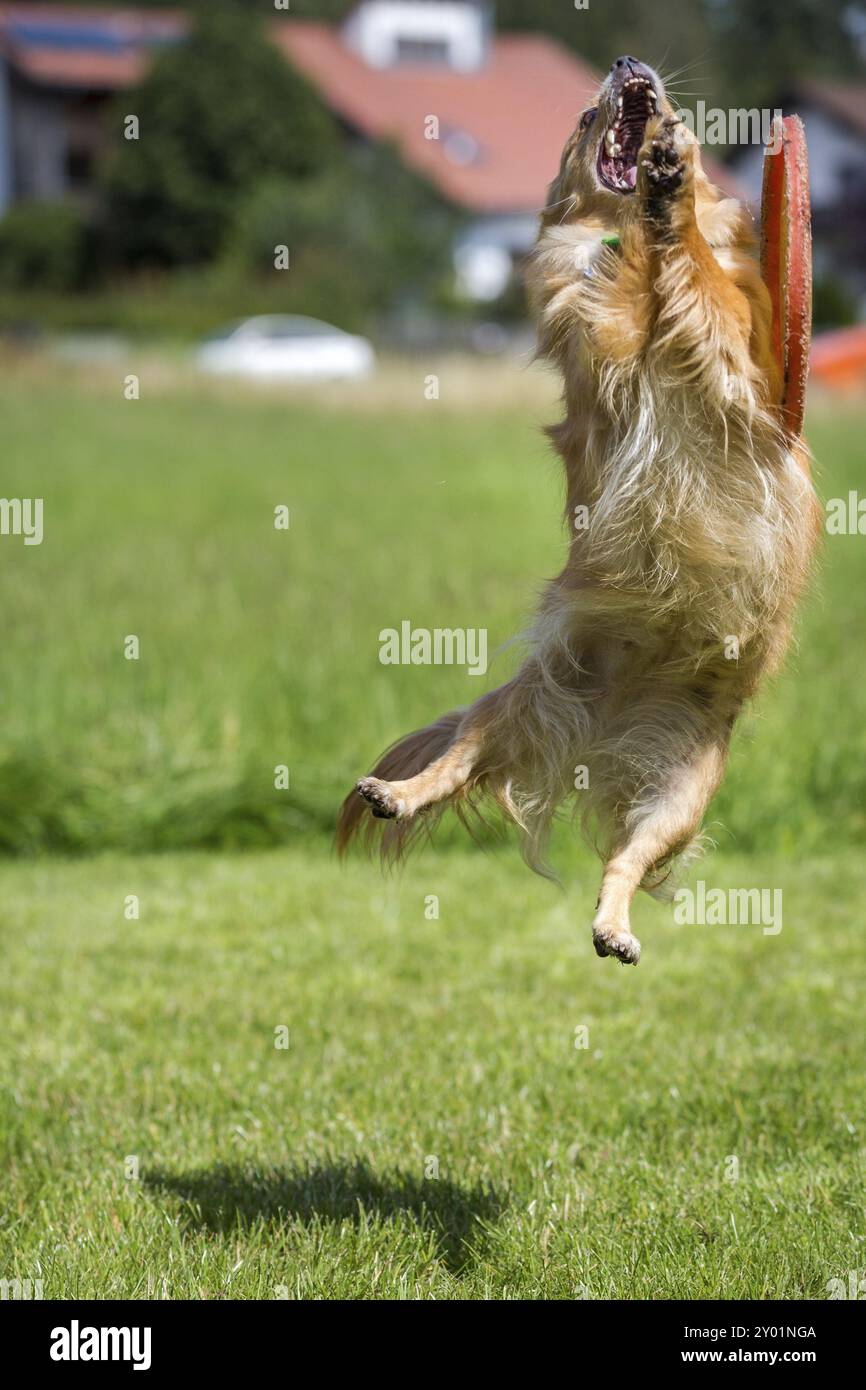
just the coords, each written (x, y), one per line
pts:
(482, 115)
(59, 69)
(834, 116)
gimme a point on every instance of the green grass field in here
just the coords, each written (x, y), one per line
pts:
(432, 1129)
(260, 647)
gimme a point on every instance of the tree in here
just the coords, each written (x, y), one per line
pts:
(767, 45)
(367, 218)
(215, 114)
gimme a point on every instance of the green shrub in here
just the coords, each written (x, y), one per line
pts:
(365, 221)
(833, 305)
(215, 114)
(43, 246)
(183, 305)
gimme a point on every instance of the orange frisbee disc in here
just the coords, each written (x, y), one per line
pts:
(786, 260)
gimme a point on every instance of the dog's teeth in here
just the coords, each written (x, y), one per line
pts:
(610, 140)
(616, 149)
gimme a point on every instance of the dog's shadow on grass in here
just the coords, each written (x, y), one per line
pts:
(226, 1198)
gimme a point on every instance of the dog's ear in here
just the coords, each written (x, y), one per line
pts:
(566, 184)
(561, 188)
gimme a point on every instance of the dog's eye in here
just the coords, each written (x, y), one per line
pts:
(587, 118)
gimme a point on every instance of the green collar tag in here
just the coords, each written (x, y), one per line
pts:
(612, 241)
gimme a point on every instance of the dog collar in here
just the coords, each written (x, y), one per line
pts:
(612, 241)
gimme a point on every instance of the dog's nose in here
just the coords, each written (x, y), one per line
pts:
(625, 68)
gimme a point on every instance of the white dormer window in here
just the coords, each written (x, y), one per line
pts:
(442, 33)
(423, 51)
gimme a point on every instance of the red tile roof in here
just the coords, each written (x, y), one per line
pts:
(90, 47)
(101, 72)
(518, 111)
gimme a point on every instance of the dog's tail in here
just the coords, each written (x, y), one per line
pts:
(404, 759)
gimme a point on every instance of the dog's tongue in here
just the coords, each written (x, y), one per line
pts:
(631, 176)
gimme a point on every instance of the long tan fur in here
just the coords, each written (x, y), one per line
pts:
(699, 515)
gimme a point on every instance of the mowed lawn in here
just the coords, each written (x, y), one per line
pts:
(260, 647)
(432, 1127)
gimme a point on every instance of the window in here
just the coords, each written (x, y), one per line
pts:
(79, 168)
(422, 51)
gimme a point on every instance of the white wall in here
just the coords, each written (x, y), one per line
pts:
(486, 249)
(38, 126)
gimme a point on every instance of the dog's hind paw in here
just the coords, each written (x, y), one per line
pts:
(612, 940)
(380, 798)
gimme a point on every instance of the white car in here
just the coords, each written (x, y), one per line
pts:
(287, 347)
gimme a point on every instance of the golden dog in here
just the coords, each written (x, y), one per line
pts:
(693, 520)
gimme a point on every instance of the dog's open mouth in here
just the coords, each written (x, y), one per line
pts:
(621, 142)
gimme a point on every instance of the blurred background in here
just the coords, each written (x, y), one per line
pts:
(400, 148)
(261, 263)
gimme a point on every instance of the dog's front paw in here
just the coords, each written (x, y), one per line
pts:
(380, 798)
(611, 939)
(664, 162)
